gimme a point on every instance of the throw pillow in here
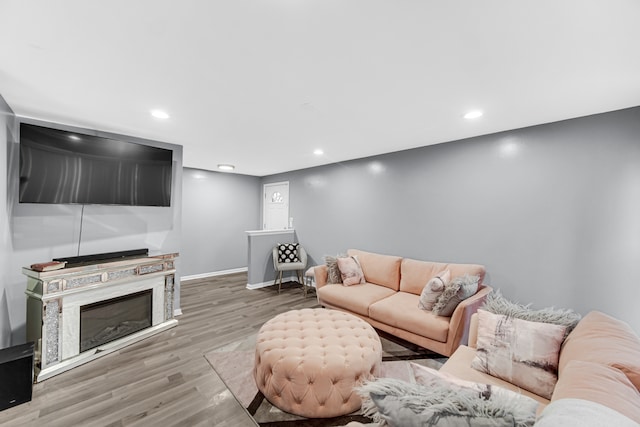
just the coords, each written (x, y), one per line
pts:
(459, 289)
(519, 351)
(400, 403)
(433, 289)
(350, 271)
(333, 272)
(497, 304)
(288, 252)
(428, 377)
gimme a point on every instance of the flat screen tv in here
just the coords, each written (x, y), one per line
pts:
(64, 167)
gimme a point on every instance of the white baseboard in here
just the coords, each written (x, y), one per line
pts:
(214, 273)
(270, 283)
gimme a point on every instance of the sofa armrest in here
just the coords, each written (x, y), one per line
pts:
(461, 318)
(321, 274)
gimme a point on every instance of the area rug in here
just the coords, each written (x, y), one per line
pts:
(234, 364)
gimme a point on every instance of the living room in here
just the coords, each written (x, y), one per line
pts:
(550, 209)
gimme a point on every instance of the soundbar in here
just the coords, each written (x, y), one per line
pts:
(75, 261)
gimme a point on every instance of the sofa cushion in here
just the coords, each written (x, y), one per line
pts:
(498, 304)
(333, 272)
(433, 289)
(406, 404)
(414, 273)
(379, 269)
(603, 339)
(459, 365)
(601, 384)
(456, 291)
(350, 271)
(425, 376)
(582, 413)
(356, 298)
(521, 352)
(400, 310)
(288, 252)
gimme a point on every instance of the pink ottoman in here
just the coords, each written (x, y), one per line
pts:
(308, 361)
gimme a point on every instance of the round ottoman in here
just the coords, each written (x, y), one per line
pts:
(308, 361)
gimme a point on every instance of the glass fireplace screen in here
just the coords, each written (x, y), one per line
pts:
(108, 320)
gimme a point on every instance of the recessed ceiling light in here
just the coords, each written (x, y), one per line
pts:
(74, 137)
(159, 114)
(225, 167)
(473, 114)
(318, 152)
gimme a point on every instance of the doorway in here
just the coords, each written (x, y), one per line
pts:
(275, 211)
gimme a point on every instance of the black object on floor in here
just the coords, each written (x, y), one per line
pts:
(16, 375)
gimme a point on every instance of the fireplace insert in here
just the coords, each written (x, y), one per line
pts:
(109, 320)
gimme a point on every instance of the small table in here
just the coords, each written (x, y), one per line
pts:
(309, 281)
(308, 361)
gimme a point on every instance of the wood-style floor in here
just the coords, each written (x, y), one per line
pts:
(164, 380)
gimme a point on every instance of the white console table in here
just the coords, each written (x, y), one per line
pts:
(54, 299)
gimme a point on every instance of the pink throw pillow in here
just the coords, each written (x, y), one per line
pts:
(350, 271)
(519, 351)
(433, 289)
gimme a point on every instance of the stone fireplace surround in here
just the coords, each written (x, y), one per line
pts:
(54, 300)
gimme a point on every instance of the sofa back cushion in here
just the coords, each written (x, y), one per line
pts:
(415, 274)
(383, 270)
(600, 338)
(601, 384)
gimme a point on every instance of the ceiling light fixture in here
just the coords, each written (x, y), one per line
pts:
(226, 167)
(318, 152)
(473, 114)
(74, 137)
(159, 114)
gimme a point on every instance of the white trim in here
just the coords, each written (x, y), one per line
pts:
(269, 232)
(214, 273)
(252, 286)
(177, 312)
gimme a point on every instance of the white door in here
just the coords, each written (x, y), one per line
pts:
(275, 212)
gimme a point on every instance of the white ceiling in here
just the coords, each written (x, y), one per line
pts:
(262, 83)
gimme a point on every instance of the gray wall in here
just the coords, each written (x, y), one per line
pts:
(552, 210)
(218, 209)
(39, 232)
(7, 127)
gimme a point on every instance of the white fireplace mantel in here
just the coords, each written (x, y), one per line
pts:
(54, 300)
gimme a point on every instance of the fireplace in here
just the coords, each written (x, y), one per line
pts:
(106, 321)
(81, 313)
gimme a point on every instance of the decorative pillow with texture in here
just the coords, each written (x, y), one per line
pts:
(519, 351)
(333, 272)
(427, 376)
(459, 289)
(288, 252)
(400, 403)
(350, 271)
(433, 289)
(497, 304)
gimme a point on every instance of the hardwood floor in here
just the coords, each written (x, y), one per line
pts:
(164, 380)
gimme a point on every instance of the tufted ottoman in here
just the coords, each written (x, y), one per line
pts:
(308, 361)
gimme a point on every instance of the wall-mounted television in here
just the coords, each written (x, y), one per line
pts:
(64, 167)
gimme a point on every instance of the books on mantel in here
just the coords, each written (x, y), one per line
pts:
(48, 266)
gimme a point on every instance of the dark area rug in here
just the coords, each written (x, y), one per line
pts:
(234, 365)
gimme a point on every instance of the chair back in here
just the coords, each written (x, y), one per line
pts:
(302, 256)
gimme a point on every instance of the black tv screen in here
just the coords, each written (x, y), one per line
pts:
(63, 167)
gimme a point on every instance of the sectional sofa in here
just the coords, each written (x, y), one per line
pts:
(389, 299)
(598, 374)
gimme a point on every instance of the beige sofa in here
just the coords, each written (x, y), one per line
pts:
(599, 371)
(389, 299)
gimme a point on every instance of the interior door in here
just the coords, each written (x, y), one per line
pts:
(275, 206)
